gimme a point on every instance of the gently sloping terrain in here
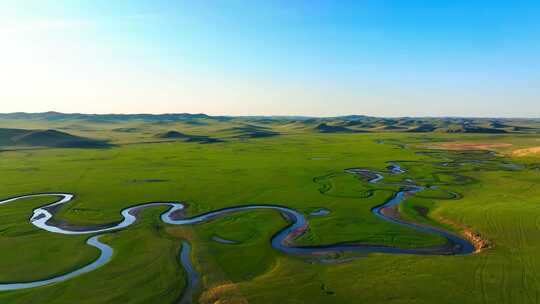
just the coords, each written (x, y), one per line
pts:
(326, 128)
(47, 138)
(188, 138)
(498, 203)
(457, 146)
(135, 128)
(526, 151)
(251, 131)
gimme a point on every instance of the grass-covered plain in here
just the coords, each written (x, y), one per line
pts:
(301, 170)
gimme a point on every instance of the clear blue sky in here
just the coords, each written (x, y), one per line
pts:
(375, 57)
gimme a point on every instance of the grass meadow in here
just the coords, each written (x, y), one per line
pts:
(301, 171)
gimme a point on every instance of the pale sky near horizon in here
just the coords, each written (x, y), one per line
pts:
(232, 57)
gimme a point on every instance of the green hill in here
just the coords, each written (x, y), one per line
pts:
(47, 138)
(188, 138)
(325, 128)
(172, 135)
(251, 131)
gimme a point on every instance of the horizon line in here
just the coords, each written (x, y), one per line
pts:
(269, 115)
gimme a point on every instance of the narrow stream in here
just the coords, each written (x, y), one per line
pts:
(192, 275)
(283, 240)
(104, 257)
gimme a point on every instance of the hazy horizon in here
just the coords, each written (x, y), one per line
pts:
(272, 58)
(271, 115)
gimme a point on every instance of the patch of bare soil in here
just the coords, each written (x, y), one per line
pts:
(470, 146)
(226, 293)
(475, 238)
(391, 212)
(293, 235)
(526, 151)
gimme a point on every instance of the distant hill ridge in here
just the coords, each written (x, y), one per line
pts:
(182, 116)
(250, 131)
(103, 117)
(47, 138)
(250, 127)
(188, 138)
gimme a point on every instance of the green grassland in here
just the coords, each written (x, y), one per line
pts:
(280, 162)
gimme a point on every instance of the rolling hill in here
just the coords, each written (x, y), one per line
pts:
(47, 138)
(188, 138)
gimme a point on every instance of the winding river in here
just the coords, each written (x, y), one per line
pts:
(283, 240)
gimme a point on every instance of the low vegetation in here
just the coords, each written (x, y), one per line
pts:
(46, 138)
(486, 187)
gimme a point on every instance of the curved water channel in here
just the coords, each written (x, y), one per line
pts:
(283, 240)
